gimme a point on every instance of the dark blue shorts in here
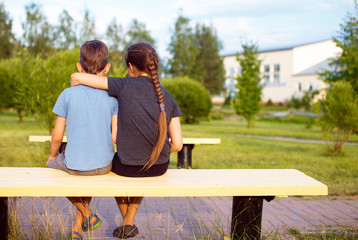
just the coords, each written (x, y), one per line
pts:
(136, 171)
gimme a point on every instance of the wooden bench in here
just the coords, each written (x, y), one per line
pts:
(184, 156)
(247, 186)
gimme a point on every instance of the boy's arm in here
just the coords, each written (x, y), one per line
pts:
(57, 137)
(89, 80)
(114, 128)
(175, 135)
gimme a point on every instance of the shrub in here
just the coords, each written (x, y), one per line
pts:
(269, 103)
(192, 97)
(339, 115)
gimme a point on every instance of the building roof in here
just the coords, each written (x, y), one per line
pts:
(318, 68)
(278, 48)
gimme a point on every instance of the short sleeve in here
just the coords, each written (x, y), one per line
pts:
(115, 106)
(176, 110)
(61, 107)
(115, 85)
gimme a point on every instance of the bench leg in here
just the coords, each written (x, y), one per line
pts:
(184, 156)
(62, 147)
(246, 217)
(4, 227)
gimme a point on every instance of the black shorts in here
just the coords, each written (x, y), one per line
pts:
(136, 171)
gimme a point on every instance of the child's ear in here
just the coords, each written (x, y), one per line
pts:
(106, 68)
(131, 67)
(79, 68)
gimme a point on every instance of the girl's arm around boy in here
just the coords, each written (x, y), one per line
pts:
(89, 80)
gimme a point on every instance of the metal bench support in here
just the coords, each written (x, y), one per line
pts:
(247, 217)
(4, 229)
(184, 156)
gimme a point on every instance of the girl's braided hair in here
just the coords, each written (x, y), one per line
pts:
(145, 59)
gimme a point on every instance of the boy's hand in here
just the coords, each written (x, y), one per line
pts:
(50, 159)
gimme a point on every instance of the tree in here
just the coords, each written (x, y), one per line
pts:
(137, 33)
(184, 51)
(338, 115)
(114, 36)
(87, 30)
(346, 65)
(14, 72)
(212, 73)
(115, 43)
(38, 33)
(65, 34)
(7, 38)
(248, 98)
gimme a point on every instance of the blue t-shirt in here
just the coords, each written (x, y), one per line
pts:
(88, 112)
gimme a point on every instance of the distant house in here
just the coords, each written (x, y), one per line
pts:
(287, 72)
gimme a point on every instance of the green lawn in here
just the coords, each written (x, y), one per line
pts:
(338, 172)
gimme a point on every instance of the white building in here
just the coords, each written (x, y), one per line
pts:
(287, 72)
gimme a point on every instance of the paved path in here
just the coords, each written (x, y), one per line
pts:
(290, 139)
(188, 218)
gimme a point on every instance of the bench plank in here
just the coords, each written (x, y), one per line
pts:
(15, 181)
(196, 141)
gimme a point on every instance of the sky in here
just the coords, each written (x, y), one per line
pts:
(271, 24)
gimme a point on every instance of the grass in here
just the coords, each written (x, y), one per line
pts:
(264, 128)
(338, 172)
(331, 234)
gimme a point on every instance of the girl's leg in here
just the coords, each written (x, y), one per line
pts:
(122, 203)
(128, 208)
(134, 203)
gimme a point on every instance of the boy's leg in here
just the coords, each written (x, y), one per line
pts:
(77, 227)
(82, 212)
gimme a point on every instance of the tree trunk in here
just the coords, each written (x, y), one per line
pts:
(19, 113)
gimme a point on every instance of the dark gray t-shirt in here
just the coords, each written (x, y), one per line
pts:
(138, 112)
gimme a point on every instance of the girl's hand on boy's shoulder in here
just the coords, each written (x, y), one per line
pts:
(74, 79)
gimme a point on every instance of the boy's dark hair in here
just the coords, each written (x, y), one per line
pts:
(93, 56)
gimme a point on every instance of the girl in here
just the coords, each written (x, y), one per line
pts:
(147, 117)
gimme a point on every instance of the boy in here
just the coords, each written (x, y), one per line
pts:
(91, 119)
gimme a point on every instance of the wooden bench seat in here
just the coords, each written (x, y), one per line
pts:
(247, 186)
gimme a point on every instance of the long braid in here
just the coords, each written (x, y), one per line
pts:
(152, 68)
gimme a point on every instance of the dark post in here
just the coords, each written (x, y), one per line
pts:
(4, 229)
(184, 156)
(62, 147)
(246, 218)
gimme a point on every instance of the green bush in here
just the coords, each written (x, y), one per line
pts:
(339, 115)
(42, 80)
(192, 97)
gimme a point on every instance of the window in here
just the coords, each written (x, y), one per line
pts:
(267, 74)
(276, 76)
(276, 79)
(299, 87)
(311, 87)
(276, 68)
(266, 78)
(267, 68)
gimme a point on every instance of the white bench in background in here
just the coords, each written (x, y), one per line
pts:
(184, 156)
